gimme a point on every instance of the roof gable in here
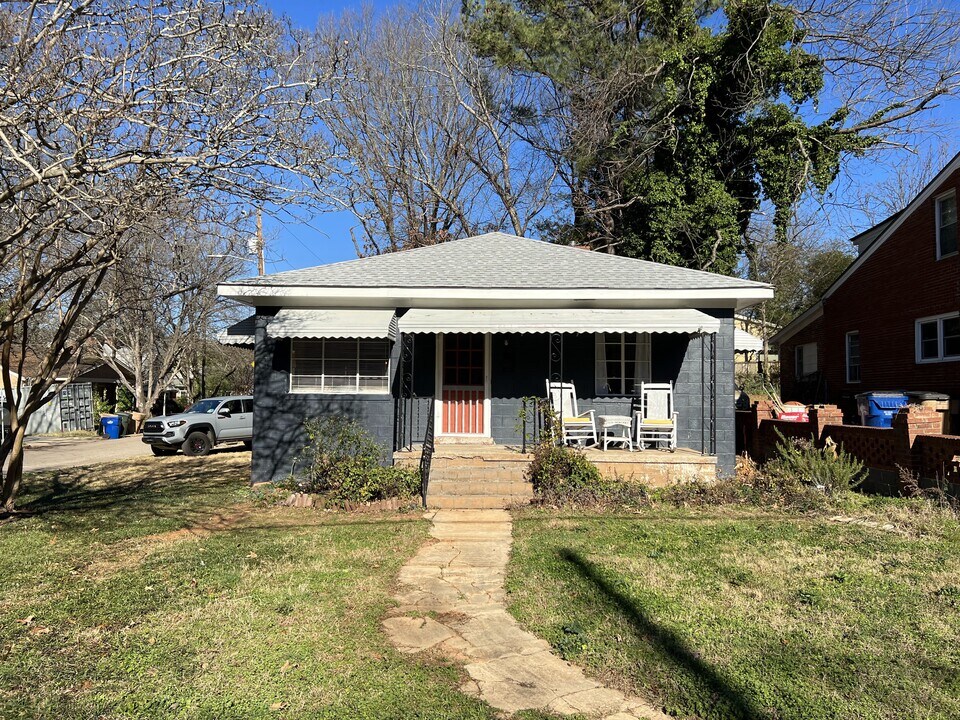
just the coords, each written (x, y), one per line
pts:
(499, 260)
(898, 220)
(887, 229)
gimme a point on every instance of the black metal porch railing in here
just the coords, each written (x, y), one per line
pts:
(426, 455)
(531, 422)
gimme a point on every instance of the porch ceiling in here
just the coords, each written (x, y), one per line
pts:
(675, 320)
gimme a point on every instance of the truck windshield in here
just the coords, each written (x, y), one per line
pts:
(205, 407)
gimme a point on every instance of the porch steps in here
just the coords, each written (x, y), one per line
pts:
(463, 481)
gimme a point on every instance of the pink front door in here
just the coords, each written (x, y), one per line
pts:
(462, 392)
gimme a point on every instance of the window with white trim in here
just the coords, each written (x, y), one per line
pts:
(853, 356)
(946, 224)
(623, 362)
(805, 359)
(938, 338)
(339, 366)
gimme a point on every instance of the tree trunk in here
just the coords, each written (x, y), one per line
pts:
(13, 476)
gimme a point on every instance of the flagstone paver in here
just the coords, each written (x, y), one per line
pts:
(451, 599)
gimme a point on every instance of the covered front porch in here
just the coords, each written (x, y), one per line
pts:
(476, 376)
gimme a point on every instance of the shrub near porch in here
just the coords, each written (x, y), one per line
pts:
(735, 613)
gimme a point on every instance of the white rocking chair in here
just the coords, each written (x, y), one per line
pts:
(576, 427)
(656, 420)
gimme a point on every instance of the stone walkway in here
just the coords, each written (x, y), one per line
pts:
(452, 601)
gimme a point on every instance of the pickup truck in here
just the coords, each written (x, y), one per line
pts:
(207, 423)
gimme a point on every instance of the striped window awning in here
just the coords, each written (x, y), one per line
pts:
(333, 323)
(676, 320)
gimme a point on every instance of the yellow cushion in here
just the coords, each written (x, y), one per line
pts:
(651, 421)
(576, 420)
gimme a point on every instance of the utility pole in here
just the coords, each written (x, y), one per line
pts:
(260, 269)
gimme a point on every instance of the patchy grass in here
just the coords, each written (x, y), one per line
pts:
(720, 613)
(155, 589)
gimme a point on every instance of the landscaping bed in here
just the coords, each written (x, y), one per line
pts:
(157, 588)
(738, 612)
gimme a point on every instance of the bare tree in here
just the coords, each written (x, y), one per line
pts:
(109, 112)
(422, 129)
(886, 61)
(159, 300)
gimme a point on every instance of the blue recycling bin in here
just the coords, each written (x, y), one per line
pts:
(111, 427)
(878, 408)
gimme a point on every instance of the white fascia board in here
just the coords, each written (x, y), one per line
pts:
(267, 295)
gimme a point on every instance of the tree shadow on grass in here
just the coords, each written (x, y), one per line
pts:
(131, 490)
(729, 699)
(197, 494)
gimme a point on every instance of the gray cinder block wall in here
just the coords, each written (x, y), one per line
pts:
(279, 415)
(520, 365)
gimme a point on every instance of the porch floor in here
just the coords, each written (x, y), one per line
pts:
(489, 476)
(596, 455)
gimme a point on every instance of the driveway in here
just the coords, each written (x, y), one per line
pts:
(55, 453)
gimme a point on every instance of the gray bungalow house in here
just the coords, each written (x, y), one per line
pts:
(447, 340)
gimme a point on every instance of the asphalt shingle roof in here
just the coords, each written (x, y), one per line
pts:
(498, 260)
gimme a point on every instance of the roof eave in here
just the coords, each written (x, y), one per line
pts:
(269, 295)
(814, 312)
(897, 221)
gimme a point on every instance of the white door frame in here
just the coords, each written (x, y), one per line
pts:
(438, 384)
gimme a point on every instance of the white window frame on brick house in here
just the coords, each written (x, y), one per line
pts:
(642, 363)
(938, 204)
(311, 365)
(938, 322)
(852, 360)
(803, 355)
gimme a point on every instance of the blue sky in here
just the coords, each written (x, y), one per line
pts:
(305, 240)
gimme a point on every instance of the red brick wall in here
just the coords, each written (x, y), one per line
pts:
(935, 456)
(876, 447)
(899, 283)
(913, 443)
(788, 365)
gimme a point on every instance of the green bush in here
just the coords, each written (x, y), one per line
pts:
(828, 469)
(343, 462)
(561, 474)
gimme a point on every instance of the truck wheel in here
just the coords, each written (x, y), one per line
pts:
(162, 451)
(248, 444)
(197, 444)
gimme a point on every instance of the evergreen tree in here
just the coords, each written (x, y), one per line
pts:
(678, 117)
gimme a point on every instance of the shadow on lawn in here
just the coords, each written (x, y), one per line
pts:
(668, 644)
(170, 488)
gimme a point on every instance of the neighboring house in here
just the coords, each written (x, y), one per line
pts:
(479, 324)
(69, 404)
(892, 319)
(748, 336)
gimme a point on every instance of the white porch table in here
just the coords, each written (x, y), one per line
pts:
(613, 423)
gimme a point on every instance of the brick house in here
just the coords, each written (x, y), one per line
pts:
(892, 319)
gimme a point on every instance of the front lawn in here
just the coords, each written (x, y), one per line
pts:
(155, 588)
(722, 613)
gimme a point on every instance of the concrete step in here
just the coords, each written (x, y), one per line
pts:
(467, 487)
(473, 502)
(479, 463)
(476, 475)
